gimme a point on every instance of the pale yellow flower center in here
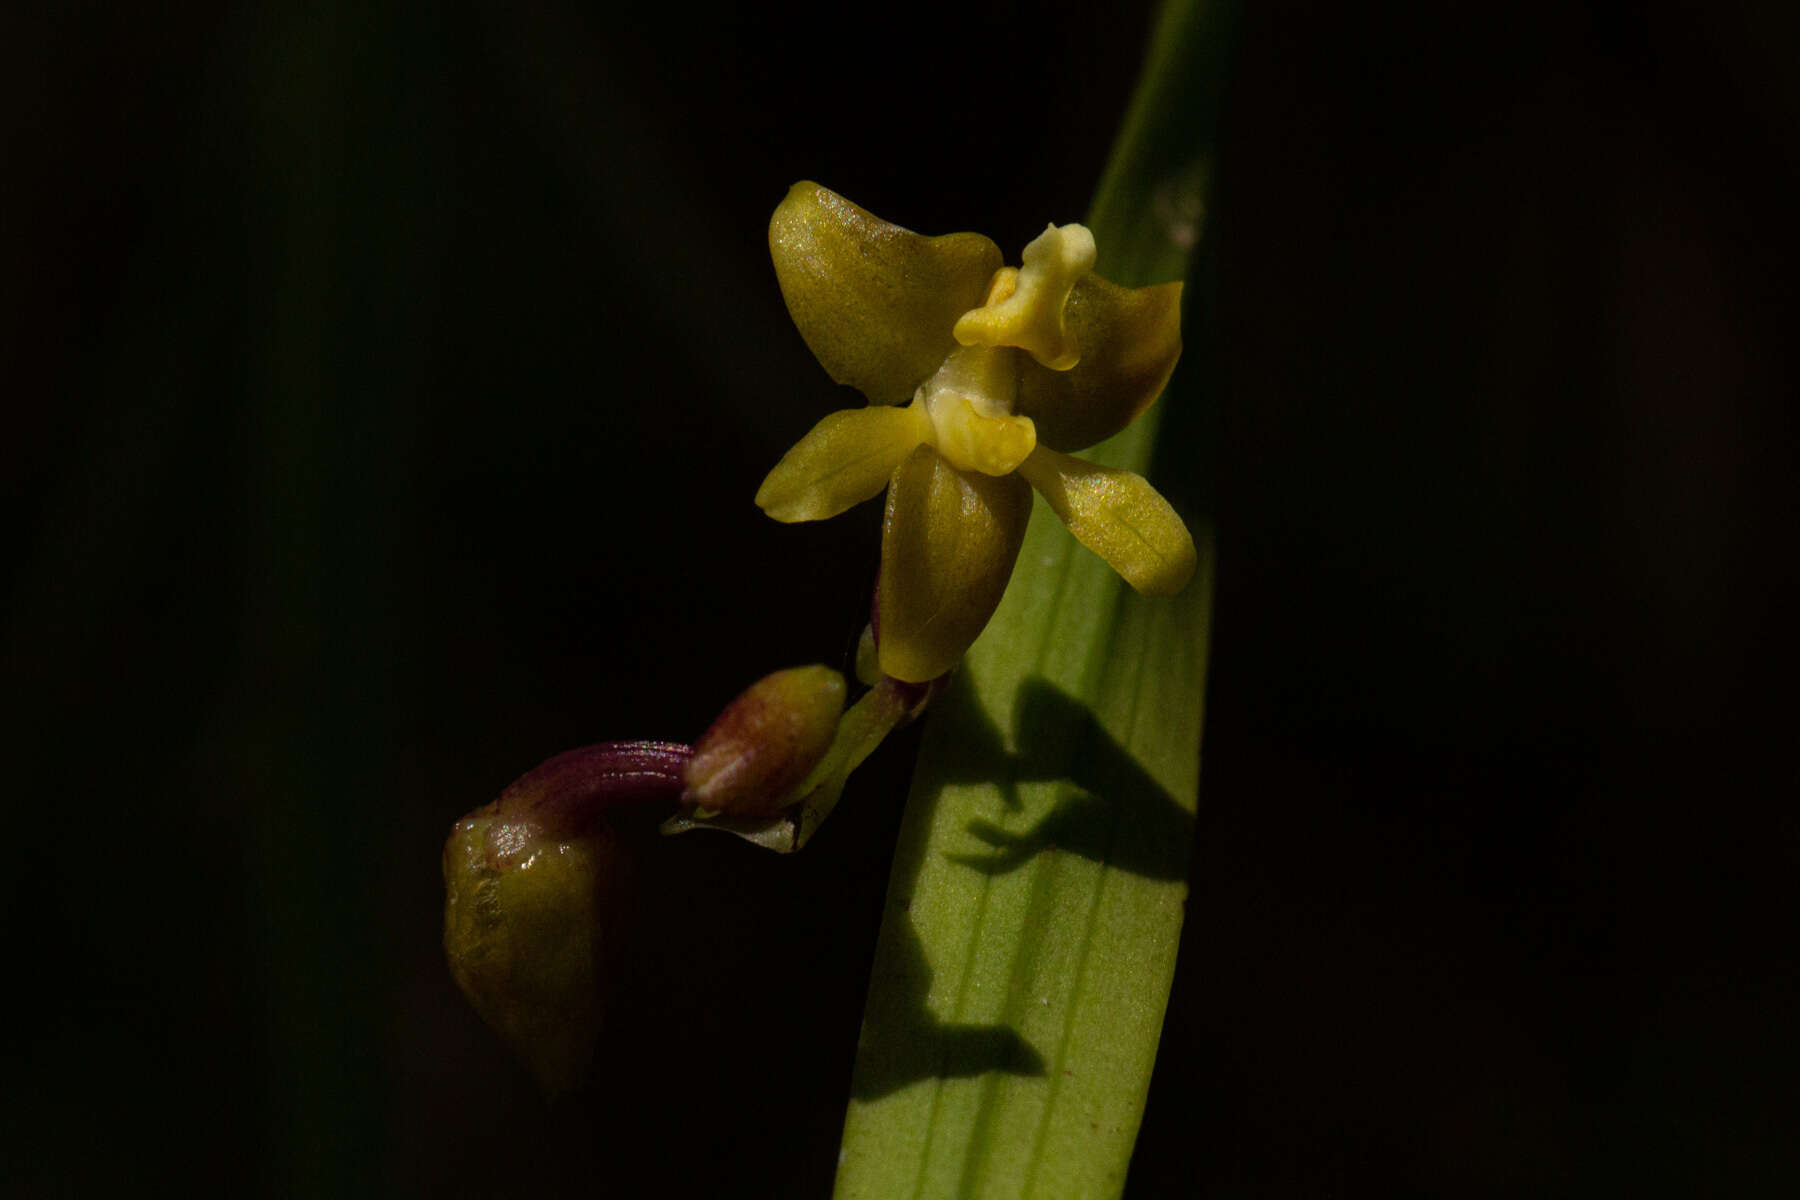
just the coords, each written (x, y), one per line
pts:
(968, 414)
(1031, 315)
(967, 406)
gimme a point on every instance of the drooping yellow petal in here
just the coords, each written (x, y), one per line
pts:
(1130, 339)
(874, 302)
(1118, 516)
(843, 460)
(1032, 317)
(947, 550)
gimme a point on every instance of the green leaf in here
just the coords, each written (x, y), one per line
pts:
(1035, 905)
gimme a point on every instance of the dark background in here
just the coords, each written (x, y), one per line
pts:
(389, 386)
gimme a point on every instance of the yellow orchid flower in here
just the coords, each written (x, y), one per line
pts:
(980, 379)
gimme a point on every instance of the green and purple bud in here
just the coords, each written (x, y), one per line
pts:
(765, 742)
(536, 892)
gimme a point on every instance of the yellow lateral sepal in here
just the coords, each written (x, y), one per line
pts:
(1118, 516)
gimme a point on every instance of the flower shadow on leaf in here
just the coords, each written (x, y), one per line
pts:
(900, 1034)
(1112, 811)
(1109, 810)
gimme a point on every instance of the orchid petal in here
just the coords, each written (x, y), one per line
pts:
(1118, 516)
(875, 302)
(842, 461)
(947, 550)
(1129, 340)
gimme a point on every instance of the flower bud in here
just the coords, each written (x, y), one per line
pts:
(765, 742)
(536, 889)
